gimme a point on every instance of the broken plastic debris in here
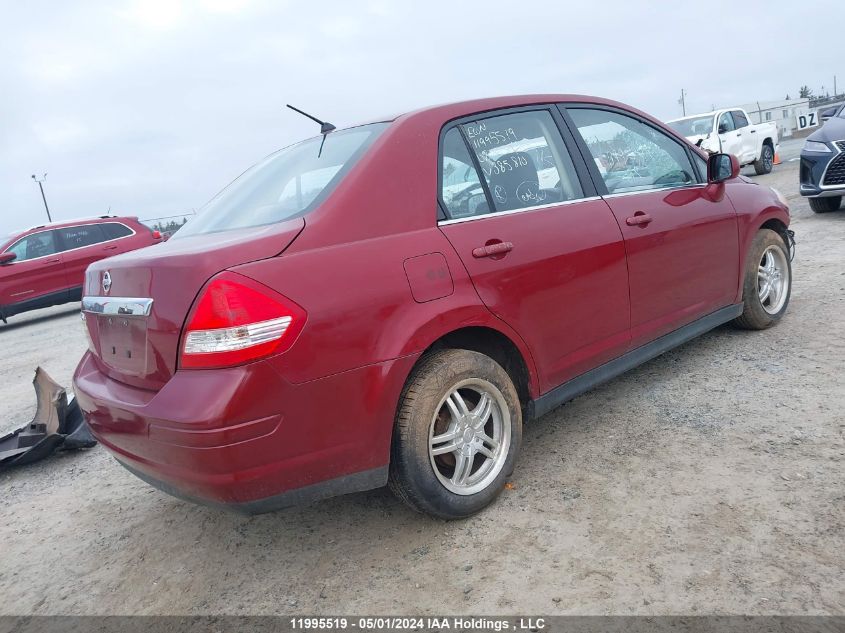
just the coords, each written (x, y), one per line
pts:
(57, 425)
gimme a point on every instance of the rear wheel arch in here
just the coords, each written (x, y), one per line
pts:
(495, 344)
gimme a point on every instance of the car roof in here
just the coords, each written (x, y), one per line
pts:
(16, 235)
(444, 112)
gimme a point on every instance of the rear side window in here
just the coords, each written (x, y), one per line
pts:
(460, 185)
(115, 230)
(285, 185)
(33, 246)
(523, 160)
(79, 236)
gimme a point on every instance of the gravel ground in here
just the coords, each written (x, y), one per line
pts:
(710, 480)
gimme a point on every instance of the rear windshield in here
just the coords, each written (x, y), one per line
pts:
(286, 184)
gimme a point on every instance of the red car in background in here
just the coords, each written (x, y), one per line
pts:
(387, 303)
(45, 265)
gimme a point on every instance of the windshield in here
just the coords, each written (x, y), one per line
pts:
(693, 126)
(286, 184)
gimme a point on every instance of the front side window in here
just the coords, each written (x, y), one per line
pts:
(80, 236)
(35, 245)
(726, 123)
(285, 185)
(631, 155)
(739, 119)
(701, 165)
(523, 160)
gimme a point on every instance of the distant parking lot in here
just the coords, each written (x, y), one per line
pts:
(709, 480)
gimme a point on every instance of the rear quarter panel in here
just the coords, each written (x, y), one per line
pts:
(360, 307)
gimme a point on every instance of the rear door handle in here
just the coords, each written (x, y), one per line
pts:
(640, 218)
(52, 261)
(109, 248)
(499, 248)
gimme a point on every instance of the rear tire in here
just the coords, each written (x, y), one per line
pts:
(451, 452)
(825, 205)
(768, 282)
(764, 164)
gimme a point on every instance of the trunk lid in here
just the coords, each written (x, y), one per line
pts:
(142, 350)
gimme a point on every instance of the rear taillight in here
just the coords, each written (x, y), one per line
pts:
(237, 320)
(156, 235)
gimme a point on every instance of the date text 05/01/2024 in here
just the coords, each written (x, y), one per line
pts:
(417, 623)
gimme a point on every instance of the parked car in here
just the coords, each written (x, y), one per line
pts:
(729, 131)
(45, 265)
(388, 303)
(822, 168)
(829, 113)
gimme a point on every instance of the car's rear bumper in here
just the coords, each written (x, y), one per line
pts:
(245, 438)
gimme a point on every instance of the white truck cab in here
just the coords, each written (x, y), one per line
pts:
(731, 132)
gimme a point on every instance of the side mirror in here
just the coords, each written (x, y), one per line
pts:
(824, 115)
(7, 258)
(722, 167)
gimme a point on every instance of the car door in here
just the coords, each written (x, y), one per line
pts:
(745, 133)
(37, 272)
(730, 139)
(681, 241)
(81, 246)
(544, 252)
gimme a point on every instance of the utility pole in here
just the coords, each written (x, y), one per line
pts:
(682, 101)
(834, 86)
(43, 197)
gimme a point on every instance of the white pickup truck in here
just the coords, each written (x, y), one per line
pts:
(730, 131)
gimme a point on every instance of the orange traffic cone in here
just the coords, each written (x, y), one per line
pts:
(777, 159)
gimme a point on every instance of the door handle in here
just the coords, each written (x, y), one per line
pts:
(640, 218)
(53, 261)
(753, 132)
(499, 248)
(109, 248)
(738, 135)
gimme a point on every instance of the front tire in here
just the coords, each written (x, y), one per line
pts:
(763, 165)
(768, 282)
(457, 435)
(825, 205)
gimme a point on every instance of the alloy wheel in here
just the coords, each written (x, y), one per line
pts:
(469, 436)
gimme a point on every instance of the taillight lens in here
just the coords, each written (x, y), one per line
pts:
(237, 320)
(156, 235)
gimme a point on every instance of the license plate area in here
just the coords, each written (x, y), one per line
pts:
(123, 343)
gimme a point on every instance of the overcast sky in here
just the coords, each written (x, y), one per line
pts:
(150, 107)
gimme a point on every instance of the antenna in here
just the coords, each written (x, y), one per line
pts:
(325, 127)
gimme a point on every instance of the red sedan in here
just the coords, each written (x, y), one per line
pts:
(45, 265)
(387, 304)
